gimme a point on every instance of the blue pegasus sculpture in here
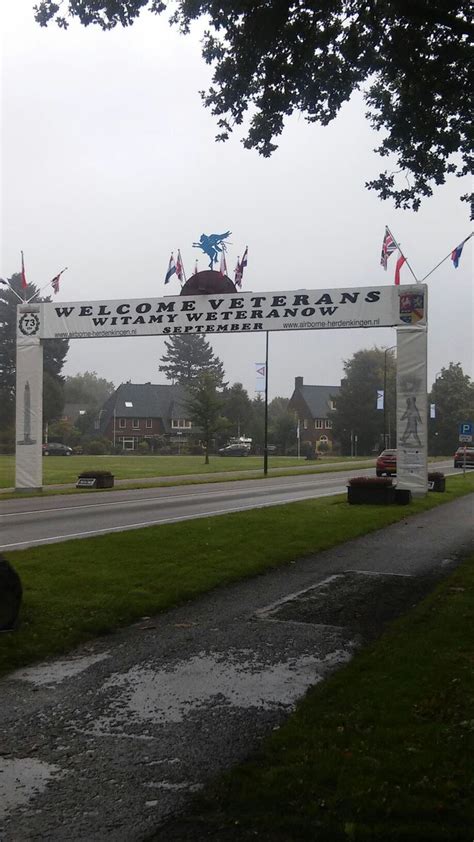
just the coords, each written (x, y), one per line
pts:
(212, 245)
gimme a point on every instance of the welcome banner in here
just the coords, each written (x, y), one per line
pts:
(228, 313)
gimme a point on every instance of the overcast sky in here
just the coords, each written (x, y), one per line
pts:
(109, 163)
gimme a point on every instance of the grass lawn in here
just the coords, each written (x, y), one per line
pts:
(76, 590)
(380, 752)
(61, 469)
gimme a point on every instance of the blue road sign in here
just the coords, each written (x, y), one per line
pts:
(466, 428)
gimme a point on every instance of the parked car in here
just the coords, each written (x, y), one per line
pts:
(54, 448)
(459, 457)
(386, 463)
(234, 450)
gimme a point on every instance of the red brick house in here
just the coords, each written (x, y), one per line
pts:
(313, 407)
(138, 412)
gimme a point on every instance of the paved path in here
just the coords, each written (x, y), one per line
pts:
(108, 743)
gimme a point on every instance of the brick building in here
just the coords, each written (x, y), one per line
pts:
(313, 406)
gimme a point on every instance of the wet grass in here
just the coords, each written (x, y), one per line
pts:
(62, 470)
(76, 590)
(381, 751)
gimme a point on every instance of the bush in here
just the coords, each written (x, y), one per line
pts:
(379, 482)
(97, 447)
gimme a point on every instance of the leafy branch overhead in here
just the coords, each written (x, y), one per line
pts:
(411, 60)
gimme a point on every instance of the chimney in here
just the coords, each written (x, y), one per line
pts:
(298, 382)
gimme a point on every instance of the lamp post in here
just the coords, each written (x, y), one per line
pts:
(385, 394)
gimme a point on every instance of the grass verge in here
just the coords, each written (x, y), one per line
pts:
(381, 751)
(76, 590)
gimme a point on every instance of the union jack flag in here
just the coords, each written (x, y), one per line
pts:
(388, 247)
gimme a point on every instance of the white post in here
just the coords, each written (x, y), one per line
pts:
(412, 410)
(29, 410)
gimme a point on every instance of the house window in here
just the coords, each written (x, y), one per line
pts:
(305, 424)
(318, 424)
(135, 423)
(122, 422)
(328, 423)
(332, 405)
(180, 423)
(323, 439)
(149, 423)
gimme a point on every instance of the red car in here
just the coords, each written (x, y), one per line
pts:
(459, 458)
(386, 463)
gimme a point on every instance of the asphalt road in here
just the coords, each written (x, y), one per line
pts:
(44, 520)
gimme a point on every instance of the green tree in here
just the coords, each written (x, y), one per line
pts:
(257, 424)
(204, 405)
(88, 389)
(188, 356)
(411, 60)
(356, 412)
(453, 396)
(54, 354)
(282, 424)
(237, 408)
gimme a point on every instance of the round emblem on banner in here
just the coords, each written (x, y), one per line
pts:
(29, 324)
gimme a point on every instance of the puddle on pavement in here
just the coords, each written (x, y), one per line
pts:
(53, 672)
(230, 679)
(21, 779)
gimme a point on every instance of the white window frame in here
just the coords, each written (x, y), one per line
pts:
(122, 423)
(328, 424)
(149, 423)
(318, 424)
(135, 423)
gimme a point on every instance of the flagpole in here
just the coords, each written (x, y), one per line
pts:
(46, 285)
(445, 258)
(8, 284)
(265, 444)
(406, 261)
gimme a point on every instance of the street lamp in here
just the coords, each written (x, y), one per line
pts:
(385, 394)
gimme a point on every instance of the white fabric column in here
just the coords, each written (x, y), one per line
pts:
(412, 410)
(29, 413)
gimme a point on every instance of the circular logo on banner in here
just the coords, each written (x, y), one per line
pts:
(29, 324)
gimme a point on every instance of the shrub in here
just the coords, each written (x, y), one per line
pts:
(434, 475)
(97, 447)
(378, 482)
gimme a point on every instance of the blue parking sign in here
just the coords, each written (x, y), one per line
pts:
(465, 429)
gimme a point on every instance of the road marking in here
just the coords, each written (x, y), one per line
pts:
(55, 539)
(160, 499)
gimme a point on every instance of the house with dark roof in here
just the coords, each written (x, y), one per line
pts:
(138, 412)
(313, 407)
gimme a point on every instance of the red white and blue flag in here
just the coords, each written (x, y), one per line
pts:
(171, 269)
(388, 247)
(180, 267)
(456, 254)
(239, 269)
(55, 281)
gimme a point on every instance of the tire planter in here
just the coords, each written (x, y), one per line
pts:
(370, 495)
(436, 484)
(95, 479)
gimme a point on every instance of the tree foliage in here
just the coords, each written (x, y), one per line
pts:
(204, 405)
(237, 408)
(282, 424)
(187, 357)
(87, 388)
(54, 354)
(453, 396)
(356, 412)
(412, 61)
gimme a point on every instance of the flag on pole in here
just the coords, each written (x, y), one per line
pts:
(223, 266)
(24, 282)
(180, 267)
(456, 254)
(401, 260)
(239, 269)
(55, 281)
(171, 269)
(238, 274)
(388, 247)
